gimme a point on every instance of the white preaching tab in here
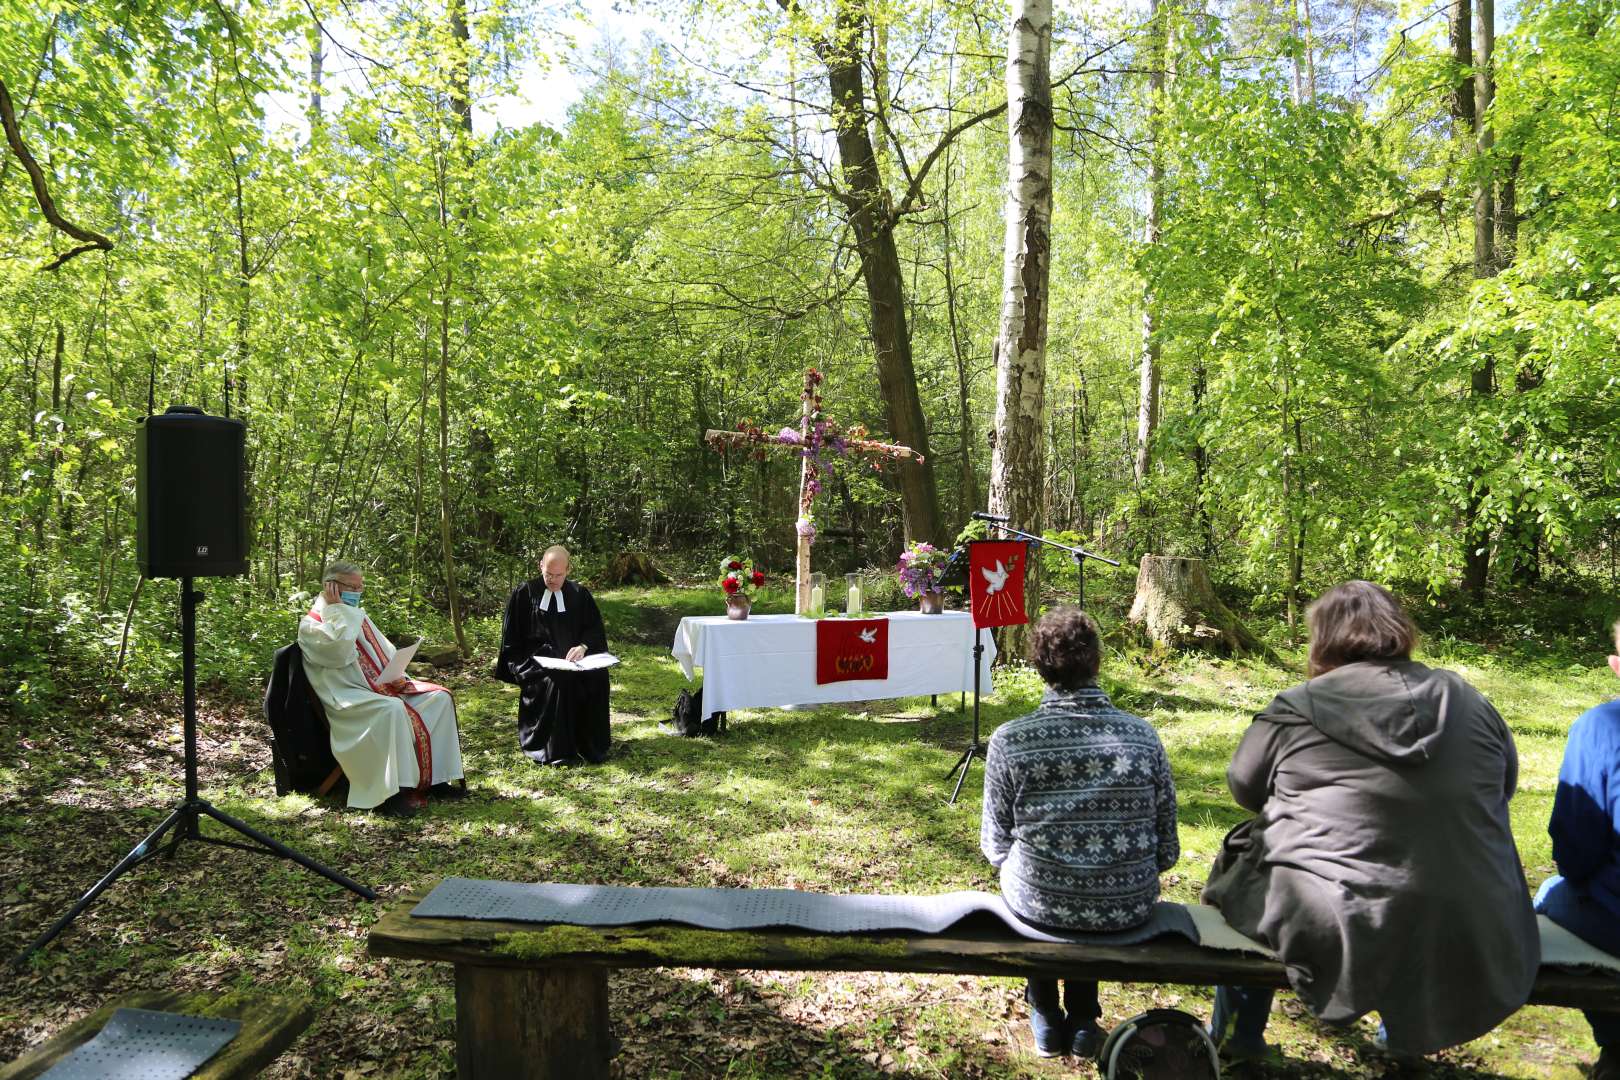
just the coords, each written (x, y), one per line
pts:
(396, 667)
(545, 602)
(593, 662)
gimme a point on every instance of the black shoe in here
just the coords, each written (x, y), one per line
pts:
(1088, 1040)
(1050, 1030)
(456, 790)
(398, 806)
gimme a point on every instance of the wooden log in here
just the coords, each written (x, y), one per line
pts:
(1167, 960)
(1176, 607)
(531, 1024)
(269, 1026)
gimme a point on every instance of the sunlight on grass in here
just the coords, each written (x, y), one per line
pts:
(825, 798)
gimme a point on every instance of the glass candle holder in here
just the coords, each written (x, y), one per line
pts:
(853, 605)
(817, 605)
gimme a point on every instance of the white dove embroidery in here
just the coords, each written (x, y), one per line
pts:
(996, 578)
(869, 635)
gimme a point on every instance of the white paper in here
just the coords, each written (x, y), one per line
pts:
(396, 666)
(592, 662)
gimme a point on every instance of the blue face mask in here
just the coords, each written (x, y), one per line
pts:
(350, 598)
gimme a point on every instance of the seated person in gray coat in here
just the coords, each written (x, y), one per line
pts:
(1080, 818)
(1380, 864)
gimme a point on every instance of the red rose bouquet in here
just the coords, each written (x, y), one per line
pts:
(739, 577)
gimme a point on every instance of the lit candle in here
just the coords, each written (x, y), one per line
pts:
(854, 599)
(817, 600)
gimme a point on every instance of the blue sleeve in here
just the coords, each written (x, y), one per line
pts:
(996, 822)
(1582, 826)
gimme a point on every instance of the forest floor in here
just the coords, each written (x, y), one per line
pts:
(821, 799)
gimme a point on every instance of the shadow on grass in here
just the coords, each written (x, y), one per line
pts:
(818, 799)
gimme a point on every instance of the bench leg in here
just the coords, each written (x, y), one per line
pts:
(522, 1024)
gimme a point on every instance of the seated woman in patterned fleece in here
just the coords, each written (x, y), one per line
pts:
(1080, 818)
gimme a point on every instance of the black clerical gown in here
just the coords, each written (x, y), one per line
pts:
(562, 715)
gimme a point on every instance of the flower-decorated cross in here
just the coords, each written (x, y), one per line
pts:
(817, 441)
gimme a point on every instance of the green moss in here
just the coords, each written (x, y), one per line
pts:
(552, 941)
(820, 948)
(681, 947)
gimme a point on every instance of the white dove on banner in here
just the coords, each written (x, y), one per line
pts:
(869, 635)
(996, 578)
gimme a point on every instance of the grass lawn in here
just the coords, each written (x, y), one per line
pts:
(818, 799)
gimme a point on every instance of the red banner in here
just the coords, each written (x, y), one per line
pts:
(996, 581)
(851, 649)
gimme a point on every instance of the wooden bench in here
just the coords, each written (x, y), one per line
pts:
(531, 1000)
(269, 1026)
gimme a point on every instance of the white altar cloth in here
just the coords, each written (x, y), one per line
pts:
(768, 661)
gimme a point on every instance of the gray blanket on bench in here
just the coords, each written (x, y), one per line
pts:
(757, 909)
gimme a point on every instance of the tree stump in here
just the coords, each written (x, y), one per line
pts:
(634, 568)
(1177, 607)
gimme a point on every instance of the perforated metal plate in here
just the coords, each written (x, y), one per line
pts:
(140, 1044)
(753, 909)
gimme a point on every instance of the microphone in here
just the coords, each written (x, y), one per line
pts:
(999, 519)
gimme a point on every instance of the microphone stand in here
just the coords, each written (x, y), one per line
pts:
(1075, 552)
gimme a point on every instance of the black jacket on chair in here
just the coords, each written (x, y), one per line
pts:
(300, 741)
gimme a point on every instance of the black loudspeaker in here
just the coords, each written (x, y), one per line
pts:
(191, 495)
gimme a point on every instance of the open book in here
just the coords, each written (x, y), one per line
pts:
(590, 663)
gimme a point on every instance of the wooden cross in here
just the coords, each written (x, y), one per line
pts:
(815, 438)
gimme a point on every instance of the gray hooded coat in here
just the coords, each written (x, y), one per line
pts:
(1381, 866)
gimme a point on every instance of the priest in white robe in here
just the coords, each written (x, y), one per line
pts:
(390, 738)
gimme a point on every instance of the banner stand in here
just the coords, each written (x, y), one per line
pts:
(975, 749)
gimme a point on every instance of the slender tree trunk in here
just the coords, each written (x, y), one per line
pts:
(317, 121)
(868, 207)
(969, 477)
(1460, 24)
(51, 458)
(444, 465)
(460, 69)
(1310, 53)
(1296, 559)
(1017, 468)
(459, 157)
(421, 472)
(1476, 532)
(1147, 412)
(1200, 456)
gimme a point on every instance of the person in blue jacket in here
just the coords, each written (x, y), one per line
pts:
(1584, 897)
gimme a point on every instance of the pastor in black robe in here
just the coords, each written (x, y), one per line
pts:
(562, 715)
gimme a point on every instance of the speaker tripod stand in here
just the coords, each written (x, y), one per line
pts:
(975, 748)
(185, 819)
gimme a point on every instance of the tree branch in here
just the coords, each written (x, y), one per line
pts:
(42, 192)
(1434, 198)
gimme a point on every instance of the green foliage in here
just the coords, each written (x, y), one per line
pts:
(525, 333)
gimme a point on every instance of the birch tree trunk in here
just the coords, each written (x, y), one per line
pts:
(1017, 468)
(1147, 414)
